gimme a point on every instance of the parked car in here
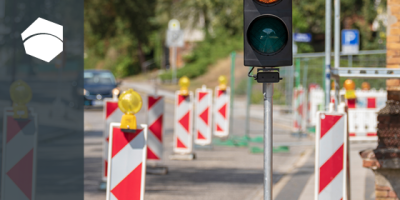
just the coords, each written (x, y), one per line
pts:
(99, 84)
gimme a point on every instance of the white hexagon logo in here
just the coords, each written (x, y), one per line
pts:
(43, 39)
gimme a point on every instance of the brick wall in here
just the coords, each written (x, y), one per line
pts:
(393, 41)
(384, 193)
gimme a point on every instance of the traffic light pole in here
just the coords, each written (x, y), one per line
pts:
(267, 76)
(337, 50)
(268, 91)
(328, 7)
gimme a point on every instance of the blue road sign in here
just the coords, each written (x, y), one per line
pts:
(350, 41)
(302, 37)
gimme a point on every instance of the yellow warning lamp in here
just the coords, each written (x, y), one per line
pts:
(222, 82)
(365, 86)
(21, 94)
(350, 87)
(130, 103)
(184, 82)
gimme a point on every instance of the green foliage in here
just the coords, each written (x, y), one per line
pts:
(309, 17)
(205, 54)
(122, 35)
(125, 67)
(117, 34)
(219, 16)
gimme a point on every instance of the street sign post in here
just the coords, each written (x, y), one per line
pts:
(350, 41)
(175, 38)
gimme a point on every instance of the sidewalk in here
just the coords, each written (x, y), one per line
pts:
(361, 179)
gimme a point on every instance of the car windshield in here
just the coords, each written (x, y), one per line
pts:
(99, 78)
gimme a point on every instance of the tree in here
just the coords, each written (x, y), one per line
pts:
(109, 20)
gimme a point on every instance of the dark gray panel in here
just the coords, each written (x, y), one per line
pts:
(56, 103)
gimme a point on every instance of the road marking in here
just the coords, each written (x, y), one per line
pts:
(259, 193)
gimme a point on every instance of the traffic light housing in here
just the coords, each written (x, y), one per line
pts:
(268, 33)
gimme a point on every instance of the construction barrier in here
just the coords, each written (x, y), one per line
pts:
(298, 104)
(221, 112)
(127, 166)
(363, 117)
(315, 103)
(18, 174)
(183, 131)
(155, 115)
(362, 111)
(331, 158)
(111, 113)
(371, 98)
(203, 132)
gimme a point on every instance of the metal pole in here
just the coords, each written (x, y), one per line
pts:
(174, 59)
(297, 73)
(286, 74)
(268, 90)
(291, 72)
(305, 99)
(155, 87)
(337, 96)
(233, 59)
(248, 102)
(337, 33)
(337, 49)
(328, 5)
(350, 60)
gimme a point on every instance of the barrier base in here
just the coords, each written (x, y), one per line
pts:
(103, 186)
(203, 147)
(279, 149)
(157, 170)
(191, 156)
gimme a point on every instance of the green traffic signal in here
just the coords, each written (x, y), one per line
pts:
(267, 34)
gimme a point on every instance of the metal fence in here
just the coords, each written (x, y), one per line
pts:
(309, 68)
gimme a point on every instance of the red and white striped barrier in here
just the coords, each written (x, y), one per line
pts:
(363, 124)
(18, 174)
(203, 132)
(127, 166)
(155, 116)
(331, 157)
(316, 103)
(221, 112)
(298, 105)
(183, 131)
(362, 112)
(371, 98)
(363, 117)
(111, 113)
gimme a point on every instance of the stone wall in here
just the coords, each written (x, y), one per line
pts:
(393, 41)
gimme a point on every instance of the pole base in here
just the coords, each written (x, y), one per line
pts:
(191, 156)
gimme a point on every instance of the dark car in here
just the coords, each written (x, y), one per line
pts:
(99, 84)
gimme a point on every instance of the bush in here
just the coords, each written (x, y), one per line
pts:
(205, 54)
(124, 67)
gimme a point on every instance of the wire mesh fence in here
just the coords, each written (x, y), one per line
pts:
(308, 69)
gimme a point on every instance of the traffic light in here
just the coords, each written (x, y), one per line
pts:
(267, 33)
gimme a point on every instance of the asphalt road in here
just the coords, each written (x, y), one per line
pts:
(221, 173)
